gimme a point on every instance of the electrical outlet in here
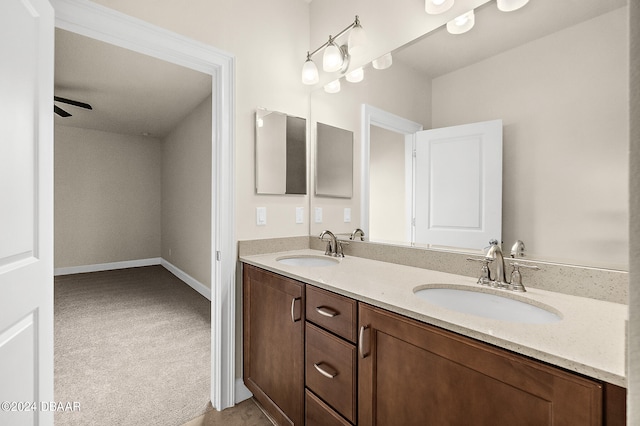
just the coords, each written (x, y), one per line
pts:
(318, 214)
(299, 214)
(261, 216)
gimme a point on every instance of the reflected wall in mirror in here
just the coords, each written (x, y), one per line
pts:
(334, 162)
(281, 153)
(556, 73)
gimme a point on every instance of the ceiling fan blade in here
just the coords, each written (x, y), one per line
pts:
(60, 112)
(72, 102)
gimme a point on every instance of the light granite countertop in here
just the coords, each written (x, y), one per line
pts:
(590, 339)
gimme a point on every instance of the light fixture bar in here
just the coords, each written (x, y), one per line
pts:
(332, 39)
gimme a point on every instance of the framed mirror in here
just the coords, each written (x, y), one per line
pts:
(281, 153)
(334, 162)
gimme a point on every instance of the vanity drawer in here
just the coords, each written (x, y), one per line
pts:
(317, 413)
(330, 370)
(336, 313)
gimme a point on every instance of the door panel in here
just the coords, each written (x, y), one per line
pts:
(459, 176)
(26, 212)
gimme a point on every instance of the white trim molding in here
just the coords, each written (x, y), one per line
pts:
(110, 266)
(186, 278)
(242, 392)
(104, 24)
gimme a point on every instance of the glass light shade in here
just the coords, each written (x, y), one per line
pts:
(355, 76)
(383, 62)
(333, 87)
(332, 58)
(510, 5)
(357, 40)
(462, 23)
(310, 72)
(435, 7)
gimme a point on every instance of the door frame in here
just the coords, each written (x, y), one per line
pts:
(372, 116)
(107, 25)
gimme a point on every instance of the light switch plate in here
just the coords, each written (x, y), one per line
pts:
(347, 215)
(318, 214)
(299, 214)
(261, 216)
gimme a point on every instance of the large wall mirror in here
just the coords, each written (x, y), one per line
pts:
(334, 161)
(556, 74)
(281, 153)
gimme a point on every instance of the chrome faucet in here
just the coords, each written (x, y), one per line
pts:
(331, 244)
(495, 253)
(357, 232)
(499, 280)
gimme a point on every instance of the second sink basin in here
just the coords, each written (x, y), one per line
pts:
(487, 305)
(308, 260)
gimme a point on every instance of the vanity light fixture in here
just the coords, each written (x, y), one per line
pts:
(383, 62)
(335, 57)
(355, 76)
(462, 23)
(333, 87)
(510, 5)
(436, 7)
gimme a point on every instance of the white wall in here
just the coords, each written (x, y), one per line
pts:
(560, 158)
(186, 194)
(107, 197)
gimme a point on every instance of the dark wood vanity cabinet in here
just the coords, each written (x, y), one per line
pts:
(416, 374)
(318, 358)
(273, 328)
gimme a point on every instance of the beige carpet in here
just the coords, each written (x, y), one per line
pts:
(132, 347)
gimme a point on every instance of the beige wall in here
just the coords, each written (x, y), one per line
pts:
(269, 40)
(560, 157)
(186, 194)
(633, 351)
(388, 219)
(107, 197)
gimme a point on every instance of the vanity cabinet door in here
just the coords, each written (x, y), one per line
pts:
(273, 313)
(416, 374)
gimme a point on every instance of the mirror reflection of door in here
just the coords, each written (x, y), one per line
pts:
(438, 187)
(459, 173)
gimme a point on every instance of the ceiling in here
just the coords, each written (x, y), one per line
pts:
(494, 32)
(130, 93)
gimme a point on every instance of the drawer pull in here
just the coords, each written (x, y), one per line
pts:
(324, 372)
(361, 349)
(293, 308)
(327, 312)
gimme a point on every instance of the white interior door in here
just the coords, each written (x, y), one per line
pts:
(26, 211)
(459, 185)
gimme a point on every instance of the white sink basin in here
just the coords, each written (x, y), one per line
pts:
(308, 260)
(487, 305)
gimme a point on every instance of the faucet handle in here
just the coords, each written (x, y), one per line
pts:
(484, 278)
(516, 277)
(339, 244)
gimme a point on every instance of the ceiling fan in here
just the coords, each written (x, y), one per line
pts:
(63, 113)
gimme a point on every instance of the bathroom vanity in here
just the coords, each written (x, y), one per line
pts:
(350, 343)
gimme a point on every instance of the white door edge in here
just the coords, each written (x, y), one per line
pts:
(104, 24)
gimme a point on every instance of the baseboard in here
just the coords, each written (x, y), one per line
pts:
(188, 279)
(107, 266)
(242, 392)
